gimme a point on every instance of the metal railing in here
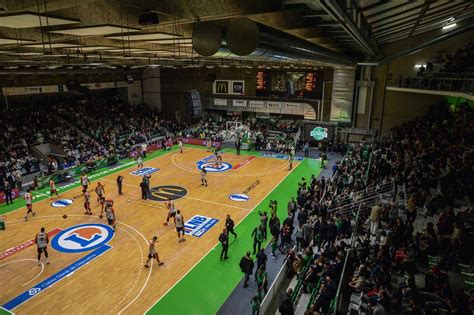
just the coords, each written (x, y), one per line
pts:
(437, 84)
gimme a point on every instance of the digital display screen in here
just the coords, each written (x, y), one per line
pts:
(289, 84)
(314, 132)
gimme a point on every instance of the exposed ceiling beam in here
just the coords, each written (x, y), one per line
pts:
(397, 14)
(387, 10)
(375, 5)
(421, 16)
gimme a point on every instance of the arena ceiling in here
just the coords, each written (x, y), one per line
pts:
(53, 34)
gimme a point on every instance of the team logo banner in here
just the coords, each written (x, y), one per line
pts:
(62, 203)
(145, 171)
(83, 237)
(239, 197)
(198, 225)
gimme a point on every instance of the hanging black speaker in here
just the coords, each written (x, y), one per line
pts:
(242, 37)
(207, 38)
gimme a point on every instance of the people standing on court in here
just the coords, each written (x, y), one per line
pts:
(179, 222)
(119, 184)
(261, 261)
(144, 146)
(238, 144)
(264, 223)
(229, 225)
(42, 240)
(29, 203)
(84, 182)
(152, 253)
(180, 145)
(246, 265)
(7, 191)
(139, 161)
(146, 179)
(203, 176)
(224, 240)
(306, 149)
(18, 181)
(144, 187)
(257, 235)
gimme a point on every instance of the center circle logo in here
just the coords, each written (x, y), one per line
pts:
(83, 237)
(214, 167)
(61, 203)
(162, 193)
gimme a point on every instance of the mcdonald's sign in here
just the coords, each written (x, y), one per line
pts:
(229, 87)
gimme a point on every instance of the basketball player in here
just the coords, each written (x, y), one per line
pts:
(209, 145)
(87, 203)
(84, 182)
(218, 157)
(29, 203)
(53, 190)
(110, 213)
(171, 210)
(100, 190)
(179, 222)
(180, 144)
(42, 240)
(139, 161)
(203, 176)
(152, 253)
(290, 161)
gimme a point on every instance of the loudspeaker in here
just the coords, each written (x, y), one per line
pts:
(148, 18)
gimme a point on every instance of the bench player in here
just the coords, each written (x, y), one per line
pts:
(171, 210)
(29, 203)
(152, 253)
(52, 189)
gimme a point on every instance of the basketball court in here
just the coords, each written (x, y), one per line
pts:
(84, 248)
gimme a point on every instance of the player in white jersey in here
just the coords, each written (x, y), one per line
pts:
(180, 145)
(29, 203)
(171, 210)
(87, 202)
(84, 182)
(52, 189)
(42, 240)
(203, 176)
(152, 253)
(179, 221)
(110, 213)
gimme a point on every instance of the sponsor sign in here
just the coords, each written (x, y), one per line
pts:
(198, 225)
(215, 144)
(15, 194)
(293, 105)
(44, 89)
(281, 156)
(257, 104)
(60, 275)
(62, 203)
(239, 197)
(228, 87)
(11, 251)
(220, 102)
(83, 237)
(245, 162)
(239, 103)
(162, 193)
(251, 187)
(145, 171)
(274, 105)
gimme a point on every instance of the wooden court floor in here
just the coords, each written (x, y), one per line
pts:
(116, 281)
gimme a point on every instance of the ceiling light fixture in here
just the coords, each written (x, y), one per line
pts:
(446, 27)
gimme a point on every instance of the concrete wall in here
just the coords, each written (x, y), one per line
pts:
(392, 108)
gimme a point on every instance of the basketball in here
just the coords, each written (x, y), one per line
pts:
(64, 216)
(101, 216)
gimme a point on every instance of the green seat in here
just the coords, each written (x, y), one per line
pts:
(465, 268)
(468, 276)
(468, 285)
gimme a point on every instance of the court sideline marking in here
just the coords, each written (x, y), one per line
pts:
(185, 197)
(214, 247)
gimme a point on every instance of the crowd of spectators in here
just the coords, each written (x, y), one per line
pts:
(86, 130)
